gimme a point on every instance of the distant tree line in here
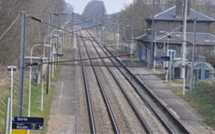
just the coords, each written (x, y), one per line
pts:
(9, 9)
(95, 12)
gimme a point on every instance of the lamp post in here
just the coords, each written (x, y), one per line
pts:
(167, 70)
(168, 35)
(114, 34)
(52, 57)
(103, 40)
(202, 58)
(30, 77)
(117, 34)
(11, 69)
(48, 74)
(56, 35)
(7, 121)
(129, 43)
(159, 38)
(49, 55)
(184, 45)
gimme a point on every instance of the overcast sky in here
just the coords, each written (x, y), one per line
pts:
(111, 6)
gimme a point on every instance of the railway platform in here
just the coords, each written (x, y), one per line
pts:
(65, 114)
(192, 120)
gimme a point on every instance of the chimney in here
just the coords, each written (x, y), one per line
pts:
(188, 8)
(180, 7)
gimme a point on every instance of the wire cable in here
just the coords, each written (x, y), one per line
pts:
(41, 21)
(9, 27)
(78, 30)
(68, 31)
(85, 59)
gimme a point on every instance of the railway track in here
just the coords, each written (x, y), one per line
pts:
(145, 128)
(147, 113)
(137, 114)
(151, 101)
(87, 92)
(102, 90)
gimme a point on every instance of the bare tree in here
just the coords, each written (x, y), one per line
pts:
(9, 9)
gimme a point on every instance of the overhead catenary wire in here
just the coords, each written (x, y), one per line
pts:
(9, 27)
(41, 21)
(72, 32)
(84, 59)
(78, 23)
(79, 30)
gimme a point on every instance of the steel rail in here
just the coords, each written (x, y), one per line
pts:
(178, 125)
(86, 87)
(137, 91)
(142, 121)
(84, 59)
(102, 90)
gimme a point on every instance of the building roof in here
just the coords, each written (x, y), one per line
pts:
(169, 15)
(141, 37)
(177, 38)
(197, 65)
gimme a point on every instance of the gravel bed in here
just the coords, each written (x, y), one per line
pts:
(83, 105)
(126, 120)
(163, 115)
(101, 118)
(145, 113)
(117, 100)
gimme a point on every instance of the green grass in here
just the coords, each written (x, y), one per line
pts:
(56, 75)
(47, 105)
(4, 94)
(163, 77)
(35, 105)
(202, 101)
(179, 81)
(133, 58)
(112, 45)
(179, 93)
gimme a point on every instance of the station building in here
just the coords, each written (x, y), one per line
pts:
(165, 34)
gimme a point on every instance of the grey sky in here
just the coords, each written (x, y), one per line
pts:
(111, 6)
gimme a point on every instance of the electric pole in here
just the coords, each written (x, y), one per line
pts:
(102, 34)
(184, 44)
(22, 63)
(72, 27)
(130, 30)
(193, 60)
(48, 70)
